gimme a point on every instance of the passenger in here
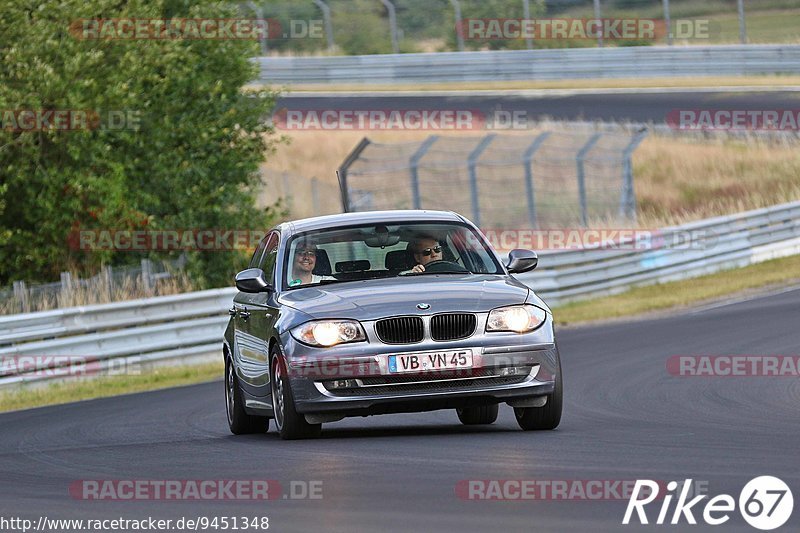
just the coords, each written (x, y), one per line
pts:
(305, 259)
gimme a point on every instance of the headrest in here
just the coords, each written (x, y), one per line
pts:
(353, 266)
(399, 260)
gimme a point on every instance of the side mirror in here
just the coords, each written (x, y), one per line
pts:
(520, 260)
(252, 280)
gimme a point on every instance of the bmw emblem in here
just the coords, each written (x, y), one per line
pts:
(423, 306)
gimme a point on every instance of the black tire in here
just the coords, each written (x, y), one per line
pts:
(485, 414)
(290, 424)
(239, 421)
(546, 417)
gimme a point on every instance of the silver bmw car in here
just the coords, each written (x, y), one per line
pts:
(386, 312)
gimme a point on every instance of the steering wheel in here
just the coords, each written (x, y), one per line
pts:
(443, 266)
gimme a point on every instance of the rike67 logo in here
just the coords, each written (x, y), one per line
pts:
(765, 503)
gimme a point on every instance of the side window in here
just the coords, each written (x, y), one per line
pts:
(254, 262)
(268, 260)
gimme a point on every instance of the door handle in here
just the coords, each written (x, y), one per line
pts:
(244, 313)
(232, 311)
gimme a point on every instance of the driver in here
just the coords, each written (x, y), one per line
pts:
(425, 250)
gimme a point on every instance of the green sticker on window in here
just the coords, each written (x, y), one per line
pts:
(295, 282)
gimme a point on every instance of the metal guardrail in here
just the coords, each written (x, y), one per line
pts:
(172, 328)
(569, 63)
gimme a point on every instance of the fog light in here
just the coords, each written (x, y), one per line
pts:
(342, 384)
(514, 370)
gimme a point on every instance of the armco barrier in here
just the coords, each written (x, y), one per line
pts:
(558, 64)
(175, 328)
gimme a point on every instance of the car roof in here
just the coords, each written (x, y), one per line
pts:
(371, 217)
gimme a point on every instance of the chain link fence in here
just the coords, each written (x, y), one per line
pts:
(548, 179)
(363, 27)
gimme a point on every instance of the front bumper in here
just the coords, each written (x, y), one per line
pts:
(371, 389)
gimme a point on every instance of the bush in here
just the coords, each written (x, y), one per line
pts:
(191, 162)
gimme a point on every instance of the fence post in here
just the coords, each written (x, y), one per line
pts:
(627, 203)
(392, 24)
(262, 39)
(600, 25)
(345, 166)
(526, 14)
(527, 161)
(472, 162)
(459, 28)
(742, 25)
(315, 196)
(582, 176)
(414, 168)
(108, 280)
(147, 272)
(66, 289)
(326, 16)
(21, 295)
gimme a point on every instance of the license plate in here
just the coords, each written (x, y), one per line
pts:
(427, 361)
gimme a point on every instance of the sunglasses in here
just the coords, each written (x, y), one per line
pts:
(306, 253)
(428, 251)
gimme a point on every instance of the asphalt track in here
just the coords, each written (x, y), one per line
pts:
(625, 418)
(643, 106)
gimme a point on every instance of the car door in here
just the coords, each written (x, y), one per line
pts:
(256, 314)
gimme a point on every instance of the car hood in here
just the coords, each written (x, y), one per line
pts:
(371, 299)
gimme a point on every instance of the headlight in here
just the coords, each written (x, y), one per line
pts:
(329, 332)
(519, 318)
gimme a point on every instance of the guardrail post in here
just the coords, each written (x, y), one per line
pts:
(582, 175)
(627, 201)
(527, 161)
(668, 22)
(21, 295)
(414, 169)
(344, 167)
(472, 162)
(459, 28)
(326, 17)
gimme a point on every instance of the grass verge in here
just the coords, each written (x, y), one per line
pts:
(678, 294)
(64, 392)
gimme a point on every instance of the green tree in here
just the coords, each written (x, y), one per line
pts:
(191, 162)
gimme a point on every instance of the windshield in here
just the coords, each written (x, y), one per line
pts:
(384, 251)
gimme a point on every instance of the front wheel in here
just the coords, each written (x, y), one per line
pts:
(546, 417)
(239, 421)
(291, 424)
